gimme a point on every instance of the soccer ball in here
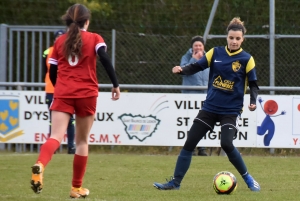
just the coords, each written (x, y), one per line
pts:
(224, 183)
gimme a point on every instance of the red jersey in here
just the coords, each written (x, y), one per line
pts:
(76, 77)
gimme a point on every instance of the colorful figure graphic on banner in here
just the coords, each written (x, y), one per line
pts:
(270, 108)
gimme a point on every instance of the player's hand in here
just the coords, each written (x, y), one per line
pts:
(197, 55)
(252, 107)
(176, 69)
(115, 93)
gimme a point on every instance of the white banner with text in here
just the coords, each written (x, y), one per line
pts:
(152, 119)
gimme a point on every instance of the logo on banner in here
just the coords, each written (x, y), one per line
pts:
(267, 127)
(138, 126)
(9, 119)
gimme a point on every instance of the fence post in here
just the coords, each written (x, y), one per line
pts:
(272, 51)
(113, 48)
(3, 54)
(210, 19)
(113, 57)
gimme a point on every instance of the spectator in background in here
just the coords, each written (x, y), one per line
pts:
(194, 54)
(49, 89)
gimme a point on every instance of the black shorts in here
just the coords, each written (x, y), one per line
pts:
(210, 119)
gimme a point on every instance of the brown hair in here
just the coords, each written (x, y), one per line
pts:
(236, 25)
(75, 18)
(197, 38)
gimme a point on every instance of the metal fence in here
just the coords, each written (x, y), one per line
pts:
(141, 59)
(21, 49)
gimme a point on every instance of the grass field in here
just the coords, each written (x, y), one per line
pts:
(129, 177)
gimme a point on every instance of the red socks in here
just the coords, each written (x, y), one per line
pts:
(79, 166)
(79, 162)
(47, 150)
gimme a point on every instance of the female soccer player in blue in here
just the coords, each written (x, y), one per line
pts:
(231, 71)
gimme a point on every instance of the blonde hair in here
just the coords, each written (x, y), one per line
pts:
(236, 25)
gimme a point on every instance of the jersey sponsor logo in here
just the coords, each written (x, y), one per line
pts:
(223, 84)
(138, 126)
(9, 119)
(217, 61)
(236, 66)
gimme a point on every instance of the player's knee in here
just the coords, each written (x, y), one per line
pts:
(227, 146)
(196, 133)
(228, 133)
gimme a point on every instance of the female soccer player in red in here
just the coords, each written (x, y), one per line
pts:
(73, 73)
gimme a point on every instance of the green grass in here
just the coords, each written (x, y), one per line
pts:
(129, 177)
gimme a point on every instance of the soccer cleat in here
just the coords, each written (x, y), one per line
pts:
(71, 150)
(202, 152)
(79, 192)
(37, 177)
(170, 185)
(251, 183)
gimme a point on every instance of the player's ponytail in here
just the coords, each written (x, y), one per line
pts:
(75, 18)
(236, 25)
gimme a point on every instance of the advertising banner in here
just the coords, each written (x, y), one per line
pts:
(150, 119)
(278, 121)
